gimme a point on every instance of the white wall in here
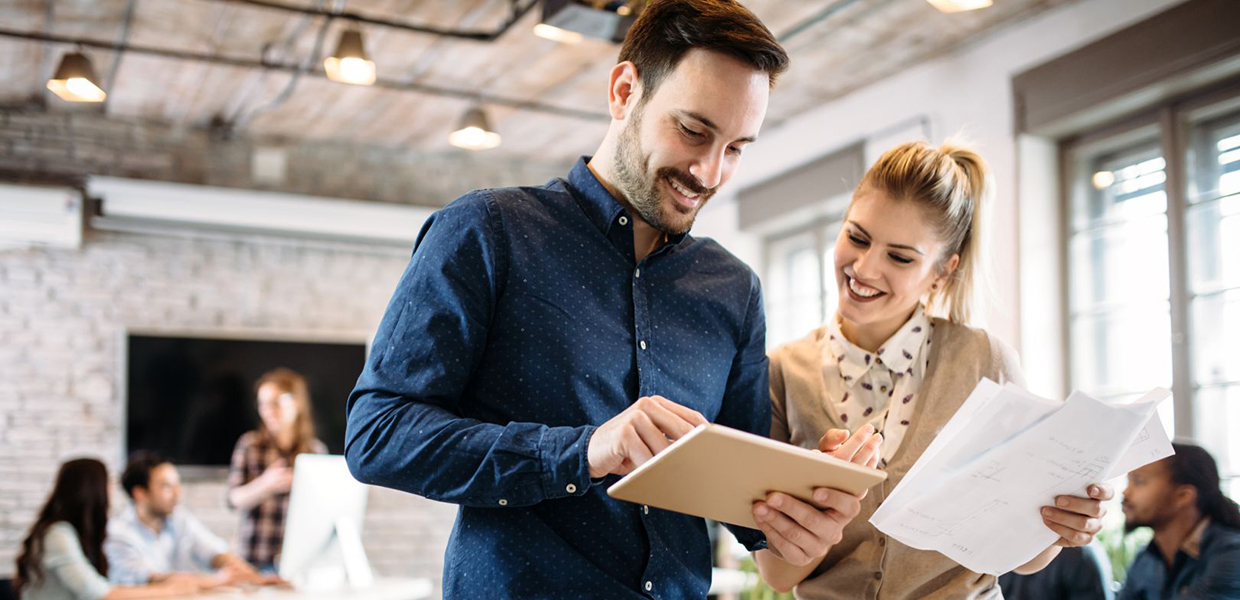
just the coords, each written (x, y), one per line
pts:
(63, 316)
(967, 91)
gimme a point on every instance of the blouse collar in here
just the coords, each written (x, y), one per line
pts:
(897, 353)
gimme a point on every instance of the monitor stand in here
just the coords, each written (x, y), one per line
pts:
(341, 560)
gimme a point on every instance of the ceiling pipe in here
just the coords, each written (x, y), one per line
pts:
(249, 63)
(518, 11)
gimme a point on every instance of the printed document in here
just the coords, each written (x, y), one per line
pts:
(976, 493)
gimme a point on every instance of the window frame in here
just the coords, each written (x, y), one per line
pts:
(1171, 120)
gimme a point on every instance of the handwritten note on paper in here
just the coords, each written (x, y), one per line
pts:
(975, 493)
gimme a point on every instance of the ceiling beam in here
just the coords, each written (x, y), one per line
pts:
(250, 63)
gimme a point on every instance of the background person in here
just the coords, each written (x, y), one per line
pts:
(1195, 553)
(62, 557)
(156, 539)
(261, 473)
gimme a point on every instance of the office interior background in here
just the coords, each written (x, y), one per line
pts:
(229, 188)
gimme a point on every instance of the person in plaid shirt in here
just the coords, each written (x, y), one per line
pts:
(262, 464)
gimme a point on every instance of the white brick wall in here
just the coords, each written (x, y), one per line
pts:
(63, 314)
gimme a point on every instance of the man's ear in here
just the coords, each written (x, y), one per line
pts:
(1185, 496)
(623, 90)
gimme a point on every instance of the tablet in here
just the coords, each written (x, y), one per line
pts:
(718, 472)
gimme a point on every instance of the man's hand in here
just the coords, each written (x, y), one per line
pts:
(800, 533)
(1077, 520)
(634, 436)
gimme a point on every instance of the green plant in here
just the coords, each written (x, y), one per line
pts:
(1122, 548)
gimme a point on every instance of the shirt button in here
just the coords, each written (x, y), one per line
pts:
(878, 575)
(645, 510)
(882, 541)
(571, 488)
(883, 389)
(624, 220)
(642, 344)
(503, 502)
(637, 273)
(649, 586)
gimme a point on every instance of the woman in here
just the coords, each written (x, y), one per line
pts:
(892, 366)
(62, 557)
(262, 464)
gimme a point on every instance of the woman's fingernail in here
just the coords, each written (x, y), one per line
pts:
(1046, 512)
(1062, 502)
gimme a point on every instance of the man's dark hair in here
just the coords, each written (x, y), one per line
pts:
(667, 29)
(138, 471)
(1192, 465)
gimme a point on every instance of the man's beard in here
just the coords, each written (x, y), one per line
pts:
(643, 194)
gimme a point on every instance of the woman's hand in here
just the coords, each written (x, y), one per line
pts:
(801, 533)
(1077, 520)
(277, 478)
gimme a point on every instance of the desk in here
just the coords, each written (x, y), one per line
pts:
(386, 588)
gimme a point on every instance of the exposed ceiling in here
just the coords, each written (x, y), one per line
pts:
(836, 46)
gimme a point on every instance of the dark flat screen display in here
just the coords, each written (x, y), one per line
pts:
(191, 398)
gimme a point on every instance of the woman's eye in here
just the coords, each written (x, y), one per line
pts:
(858, 241)
(900, 259)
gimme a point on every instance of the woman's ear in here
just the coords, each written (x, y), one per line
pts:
(945, 273)
(623, 90)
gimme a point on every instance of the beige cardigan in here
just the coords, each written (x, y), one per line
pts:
(866, 563)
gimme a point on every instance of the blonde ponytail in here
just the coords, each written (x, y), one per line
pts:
(954, 185)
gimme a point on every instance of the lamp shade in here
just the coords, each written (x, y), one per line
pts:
(952, 6)
(75, 80)
(349, 63)
(474, 132)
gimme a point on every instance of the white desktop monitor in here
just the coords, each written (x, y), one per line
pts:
(322, 532)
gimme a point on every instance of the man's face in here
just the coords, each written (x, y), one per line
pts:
(680, 145)
(1150, 499)
(164, 493)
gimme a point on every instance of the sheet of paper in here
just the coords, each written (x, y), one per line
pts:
(1003, 456)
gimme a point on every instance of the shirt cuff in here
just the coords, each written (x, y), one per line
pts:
(565, 457)
(752, 539)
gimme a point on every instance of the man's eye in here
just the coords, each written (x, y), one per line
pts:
(691, 133)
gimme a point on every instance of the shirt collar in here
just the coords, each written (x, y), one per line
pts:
(130, 516)
(1192, 544)
(599, 205)
(897, 353)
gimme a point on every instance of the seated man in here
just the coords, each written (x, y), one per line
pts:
(1195, 553)
(154, 540)
(1080, 573)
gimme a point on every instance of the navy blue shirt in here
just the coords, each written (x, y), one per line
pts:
(521, 324)
(1213, 574)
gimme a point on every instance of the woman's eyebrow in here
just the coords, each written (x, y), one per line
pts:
(900, 246)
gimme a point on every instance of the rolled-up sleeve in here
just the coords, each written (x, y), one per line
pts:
(405, 424)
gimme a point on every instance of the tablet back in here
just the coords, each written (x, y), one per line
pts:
(718, 472)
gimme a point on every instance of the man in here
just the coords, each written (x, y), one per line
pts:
(545, 340)
(1195, 553)
(155, 540)
(1078, 573)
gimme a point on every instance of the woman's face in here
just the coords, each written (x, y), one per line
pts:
(885, 261)
(276, 407)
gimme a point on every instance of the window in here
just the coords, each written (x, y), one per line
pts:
(1153, 250)
(799, 281)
